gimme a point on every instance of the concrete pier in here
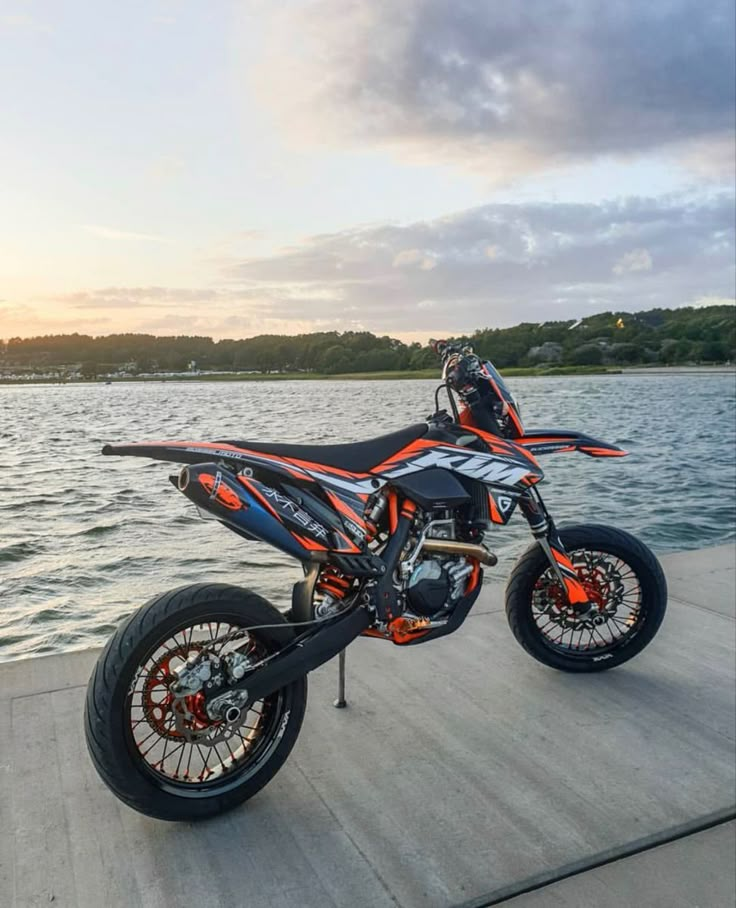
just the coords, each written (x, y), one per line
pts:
(461, 773)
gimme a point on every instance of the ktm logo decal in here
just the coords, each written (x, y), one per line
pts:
(487, 468)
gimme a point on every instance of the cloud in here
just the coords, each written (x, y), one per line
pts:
(24, 320)
(509, 87)
(112, 233)
(636, 260)
(415, 257)
(495, 265)
(223, 325)
(22, 21)
(166, 169)
(135, 297)
(500, 264)
(135, 309)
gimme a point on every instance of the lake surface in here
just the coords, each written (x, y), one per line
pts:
(84, 540)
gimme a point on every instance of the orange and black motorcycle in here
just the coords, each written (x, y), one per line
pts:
(198, 698)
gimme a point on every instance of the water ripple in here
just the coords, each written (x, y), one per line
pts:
(84, 539)
(19, 551)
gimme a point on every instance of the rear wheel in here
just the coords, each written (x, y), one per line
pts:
(625, 583)
(166, 754)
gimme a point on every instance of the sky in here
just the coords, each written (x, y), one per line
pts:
(413, 168)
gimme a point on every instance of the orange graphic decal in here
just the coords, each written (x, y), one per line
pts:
(219, 492)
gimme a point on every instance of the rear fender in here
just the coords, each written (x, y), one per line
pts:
(195, 452)
(558, 441)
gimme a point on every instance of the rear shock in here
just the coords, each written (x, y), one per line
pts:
(373, 516)
(332, 584)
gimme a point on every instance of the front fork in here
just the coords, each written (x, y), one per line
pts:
(545, 532)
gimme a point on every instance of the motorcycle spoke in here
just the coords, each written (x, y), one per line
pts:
(205, 759)
(230, 750)
(189, 761)
(147, 738)
(178, 765)
(185, 746)
(615, 593)
(619, 623)
(174, 751)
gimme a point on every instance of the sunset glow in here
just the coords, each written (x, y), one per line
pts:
(232, 169)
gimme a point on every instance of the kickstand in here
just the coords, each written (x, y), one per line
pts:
(340, 703)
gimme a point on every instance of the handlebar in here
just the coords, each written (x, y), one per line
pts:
(462, 371)
(444, 348)
(461, 365)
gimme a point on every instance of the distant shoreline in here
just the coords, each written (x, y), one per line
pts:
(725, 369)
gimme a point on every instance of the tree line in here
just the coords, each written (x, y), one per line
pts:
(665, 336)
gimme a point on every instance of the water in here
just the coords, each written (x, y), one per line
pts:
(84, 539)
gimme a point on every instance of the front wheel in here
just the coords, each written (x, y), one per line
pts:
(625, 583)
(164, 753)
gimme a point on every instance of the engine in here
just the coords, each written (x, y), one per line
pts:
(436, 584)
(441, 556)
(435, 581)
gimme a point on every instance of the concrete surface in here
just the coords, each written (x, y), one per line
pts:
(459, 768)
(698, 871)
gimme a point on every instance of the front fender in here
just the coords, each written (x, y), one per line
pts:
(558, 441)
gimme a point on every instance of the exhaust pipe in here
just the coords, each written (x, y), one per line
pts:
(452, 547)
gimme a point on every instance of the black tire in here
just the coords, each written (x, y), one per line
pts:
(532, 569)
(118, 756)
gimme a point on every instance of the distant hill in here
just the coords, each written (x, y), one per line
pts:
(664, 336)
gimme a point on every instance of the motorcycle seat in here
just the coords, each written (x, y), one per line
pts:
(358, 457)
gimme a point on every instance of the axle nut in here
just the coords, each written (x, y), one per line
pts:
(232, 714)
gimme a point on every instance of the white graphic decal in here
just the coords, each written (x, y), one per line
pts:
(485, 467)
(282, 726)
(293, 510)
(355, 531)
(356, 486)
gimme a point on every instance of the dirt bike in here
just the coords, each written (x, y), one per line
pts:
(198, 698)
